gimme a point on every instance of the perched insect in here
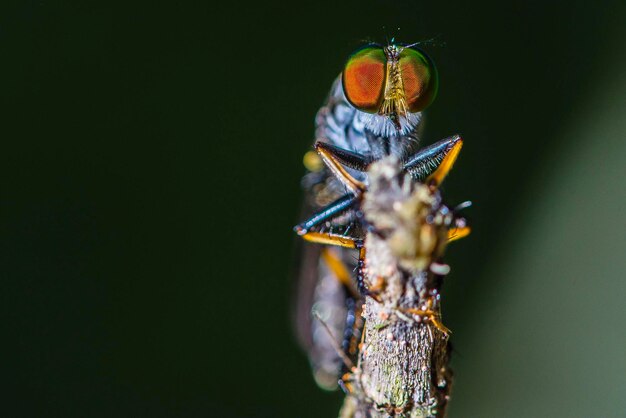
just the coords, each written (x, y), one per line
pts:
(374, 109)
(402, 367)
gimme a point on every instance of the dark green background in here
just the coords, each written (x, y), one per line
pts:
(151, 155)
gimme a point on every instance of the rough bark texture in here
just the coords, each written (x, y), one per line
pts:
(402, 368)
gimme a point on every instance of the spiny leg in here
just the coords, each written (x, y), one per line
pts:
(332, 210)
(330, 238)
(349, 329)
(437, 177)
(354, 338)
(335, 165)
(334, 157)
(360, 271)
(429, 160)
(348, 158)
(357, 328)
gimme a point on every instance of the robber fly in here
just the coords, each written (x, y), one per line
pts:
(374, 110)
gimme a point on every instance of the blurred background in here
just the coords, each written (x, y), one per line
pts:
(151, 158)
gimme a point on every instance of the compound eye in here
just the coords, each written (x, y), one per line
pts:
(420, 79)
(363, 78)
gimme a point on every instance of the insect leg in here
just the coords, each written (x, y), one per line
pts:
(336, 208)
(436, 178)
(360, 272)
(346, 242)
(435, 157)
(348, 158)
(340, 271)
(333, 239)
(459, 228)
(458, 233)
(353, 325)
(335, 165)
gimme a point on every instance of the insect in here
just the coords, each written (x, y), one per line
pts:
(374, 109)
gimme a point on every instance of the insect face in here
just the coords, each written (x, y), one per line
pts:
(392, 82)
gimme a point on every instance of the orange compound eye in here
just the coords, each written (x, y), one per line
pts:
(363, 78)
(420, 79)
